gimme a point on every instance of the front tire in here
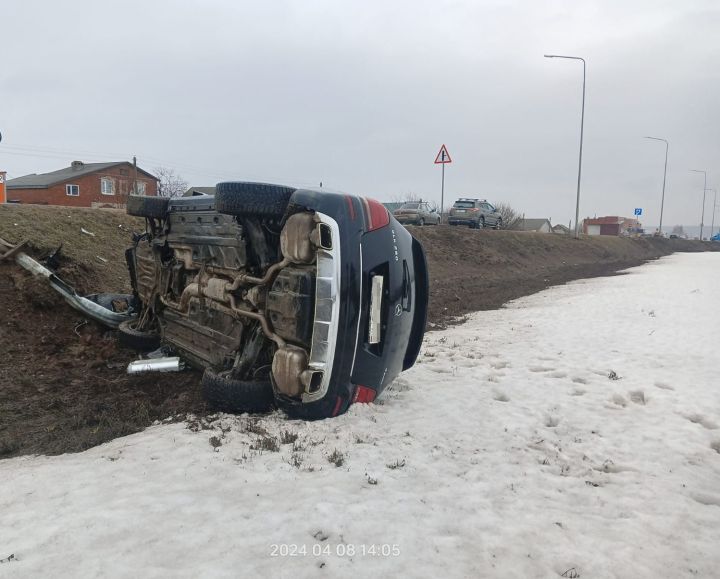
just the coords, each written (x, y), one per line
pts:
(229, 395)
(259, 199)
(498, 224)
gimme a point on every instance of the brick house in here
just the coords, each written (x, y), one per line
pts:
(83, 185)
(611, 225)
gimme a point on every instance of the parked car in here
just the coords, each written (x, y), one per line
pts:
(298, 298)
(715, 237)
(475, 213)
(417, 213)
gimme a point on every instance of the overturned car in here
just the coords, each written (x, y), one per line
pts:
(296, 298)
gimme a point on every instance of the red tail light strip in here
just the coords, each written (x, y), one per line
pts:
(376, 213)
(363, 394)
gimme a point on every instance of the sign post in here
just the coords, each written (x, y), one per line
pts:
(442, 158)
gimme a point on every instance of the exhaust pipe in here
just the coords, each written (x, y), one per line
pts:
(156, 365)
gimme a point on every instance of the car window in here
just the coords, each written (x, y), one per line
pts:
(410, 206)
(464, 204)
(491, 208)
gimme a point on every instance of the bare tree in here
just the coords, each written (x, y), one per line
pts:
(170, 184)
(510, 218)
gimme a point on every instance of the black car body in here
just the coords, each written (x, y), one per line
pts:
(301, 298)
(475, 213)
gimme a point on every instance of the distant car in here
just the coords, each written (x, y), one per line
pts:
(715, 237)
(475, 213)
(417, 213)
(297, 298)
(674, 236)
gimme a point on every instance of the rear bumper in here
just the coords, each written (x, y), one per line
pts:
(461, 220)
(408, 219)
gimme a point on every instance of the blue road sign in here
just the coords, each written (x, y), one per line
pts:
(638, 211)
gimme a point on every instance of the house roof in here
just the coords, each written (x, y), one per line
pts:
(532, 224)
(561, 227)
(192, 191)
(44, 180)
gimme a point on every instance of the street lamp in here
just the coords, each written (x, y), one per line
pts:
(702, 215)
(712, 223)
(582, 123)
(662, 202)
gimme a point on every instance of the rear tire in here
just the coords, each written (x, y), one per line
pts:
(481, 224)
(145, 206)
(260, 199)
(136, 339)
(230, 395)
(421, 222)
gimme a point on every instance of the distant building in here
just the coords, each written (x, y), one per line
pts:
(195, 191)
(611, 225)
(538, 225)
(83, 185)
(561, 229)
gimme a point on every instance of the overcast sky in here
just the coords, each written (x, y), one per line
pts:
(361, 94)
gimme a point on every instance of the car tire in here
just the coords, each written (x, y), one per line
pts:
(260, 199)
(421, 222)
(481, 223)
(498, 224)
(230, 395)
(136, 339)
(146, 206)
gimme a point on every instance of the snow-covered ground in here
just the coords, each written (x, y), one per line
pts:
(507, 452)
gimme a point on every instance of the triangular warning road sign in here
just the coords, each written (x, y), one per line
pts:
(443, 156)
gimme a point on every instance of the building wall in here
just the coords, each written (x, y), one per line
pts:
(90, 194)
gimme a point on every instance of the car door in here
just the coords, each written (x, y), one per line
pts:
(492, 214)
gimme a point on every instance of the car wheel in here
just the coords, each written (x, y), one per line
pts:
(498, 224)
(146, 206)
(481, 223)
(421, 222)
(242, 198)
(227, 394)
(130, 336)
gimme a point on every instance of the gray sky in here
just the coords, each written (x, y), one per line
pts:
(360, 95)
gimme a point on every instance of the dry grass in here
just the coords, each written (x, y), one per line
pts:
(47, 227)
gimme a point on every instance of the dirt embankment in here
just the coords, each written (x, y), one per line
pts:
(474, 270)
(63, 386)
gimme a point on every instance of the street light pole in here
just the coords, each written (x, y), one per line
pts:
(582, 124)
(712, 223)
(662, 201)
(702, 215)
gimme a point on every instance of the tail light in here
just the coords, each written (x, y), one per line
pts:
(474, 210)
(363, 394)
(376, 213)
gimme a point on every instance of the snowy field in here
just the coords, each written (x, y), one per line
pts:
(574, 433)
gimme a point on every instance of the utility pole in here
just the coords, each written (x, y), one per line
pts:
(662, 201)
(582, 126)
(702, 215)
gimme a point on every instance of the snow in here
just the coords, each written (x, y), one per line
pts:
(507, 452)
